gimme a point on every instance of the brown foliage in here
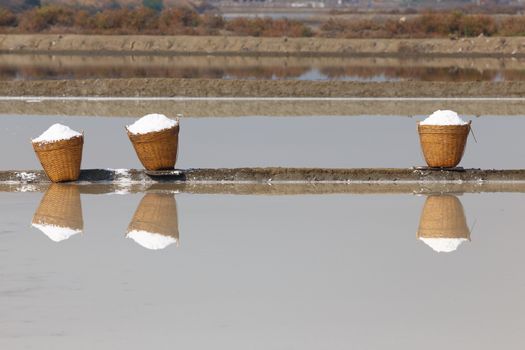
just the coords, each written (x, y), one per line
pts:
(428, 24)
(512, 26)
(45, 17)
(7, 18)
(183, 20)
(267, 27)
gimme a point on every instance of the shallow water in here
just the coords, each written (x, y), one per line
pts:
(264, 272)
(37, 67)
(366, 141)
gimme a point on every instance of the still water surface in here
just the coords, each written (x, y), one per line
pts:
(263, 272)
(38, 67)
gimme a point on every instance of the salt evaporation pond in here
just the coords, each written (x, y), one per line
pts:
(263, 272)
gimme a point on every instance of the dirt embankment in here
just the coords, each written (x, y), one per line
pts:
(236, 108)
(258, 88)
(227, 45)
(280, 181)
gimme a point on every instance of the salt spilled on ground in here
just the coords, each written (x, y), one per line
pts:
(445, 245)
(56, 233)
(151, 123)
(445, 117)
(151, 240)
(57, 132)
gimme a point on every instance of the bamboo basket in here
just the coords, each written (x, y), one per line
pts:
(61, 159)
(157, 150)
(156, 213)
(60, 206)
(443, 145)
(443, 217)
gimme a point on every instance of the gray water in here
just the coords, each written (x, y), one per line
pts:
(264, 272)
(323, 141)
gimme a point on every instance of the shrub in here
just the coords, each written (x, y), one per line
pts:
(142, 19)
(177, 18)
(110, 19)
(268, 27)
(512, 26)
(474, 25)
(7, 18)
(38, 19)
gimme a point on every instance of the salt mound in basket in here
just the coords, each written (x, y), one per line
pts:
(59, 215)
(59, 150)
(443, 225)
(155, 138)
(155, 223)
(443, 136)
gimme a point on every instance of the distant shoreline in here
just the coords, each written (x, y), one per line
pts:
(69, 44)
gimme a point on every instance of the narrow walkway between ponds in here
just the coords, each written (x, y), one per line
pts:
(277, 181)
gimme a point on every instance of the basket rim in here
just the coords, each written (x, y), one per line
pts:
(444, 126)
(45, 146)
(176, 126)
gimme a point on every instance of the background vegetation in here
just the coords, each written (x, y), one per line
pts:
(152, 18)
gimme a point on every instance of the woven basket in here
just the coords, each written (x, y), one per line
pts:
(157, 150)
(60, 206)
(443, 217)
(443, 145)
(61, 159)
(156, 213)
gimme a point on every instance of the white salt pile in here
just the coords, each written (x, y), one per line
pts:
(57, 132)
(445, 245)
(445, 117)
(151, 240)
(151, 123)
(56, 233)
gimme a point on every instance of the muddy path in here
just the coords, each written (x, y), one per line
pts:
(236, 108)
(253, 46)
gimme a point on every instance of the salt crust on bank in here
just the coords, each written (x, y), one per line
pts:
(151, 123)
(151, 240)
(445, 117)
(57, 132)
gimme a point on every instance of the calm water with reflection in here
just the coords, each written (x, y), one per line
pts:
(262, 272)
(163, 269)
(34, 67)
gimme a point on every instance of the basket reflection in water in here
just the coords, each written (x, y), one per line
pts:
(443, 225)
(59, 215)
(155, 223)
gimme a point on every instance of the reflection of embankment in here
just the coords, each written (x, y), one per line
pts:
(276, 189)
(34, 67)
(155, 222)
(59, 215)
(443, 225)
